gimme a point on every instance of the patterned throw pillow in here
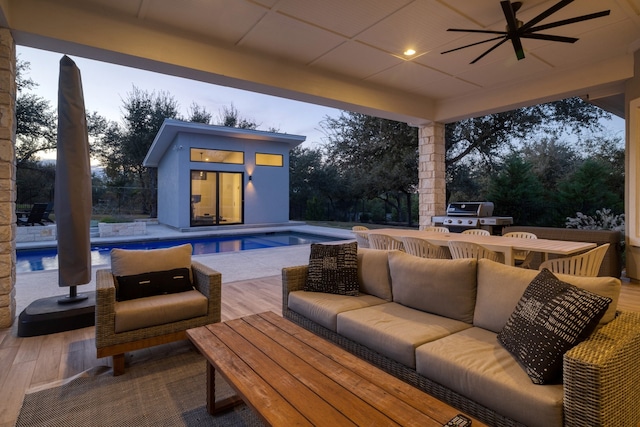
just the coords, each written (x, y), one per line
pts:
(333, 269)
(551, 317)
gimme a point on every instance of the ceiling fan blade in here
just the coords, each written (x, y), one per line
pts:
(512, 26)
(488, 51)
(472, 44)
(549, 38)
(569, 21)
(460, 30)
(545, 14)
(510, 16)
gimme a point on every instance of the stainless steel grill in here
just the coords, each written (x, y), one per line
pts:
(465, 215)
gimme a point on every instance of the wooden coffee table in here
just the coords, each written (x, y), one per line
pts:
(292, 377)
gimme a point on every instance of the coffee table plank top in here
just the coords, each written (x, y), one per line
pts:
(291, 376)
(248, 383)
(395, 387)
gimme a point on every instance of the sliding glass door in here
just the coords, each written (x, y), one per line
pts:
(216, 198)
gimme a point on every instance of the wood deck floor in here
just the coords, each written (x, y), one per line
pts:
(26, 363)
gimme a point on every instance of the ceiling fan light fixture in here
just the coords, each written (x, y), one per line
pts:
(409, 52)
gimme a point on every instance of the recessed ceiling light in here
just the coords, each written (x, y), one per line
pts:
(409, 52)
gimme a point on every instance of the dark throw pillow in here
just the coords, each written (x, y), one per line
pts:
(551, 317)
(154, 283)
(333, 269)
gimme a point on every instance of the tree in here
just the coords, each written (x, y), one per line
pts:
(122, 149)
(587, 190)
(517, 192)
(229, 116)
(379, 157)
(36, 120)
(199, 114)
(488, 136)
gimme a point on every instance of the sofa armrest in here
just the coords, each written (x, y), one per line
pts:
(293, 279)
(209, 283)
(601, 376)
(105, 306)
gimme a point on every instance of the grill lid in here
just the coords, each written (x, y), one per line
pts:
(480, 209)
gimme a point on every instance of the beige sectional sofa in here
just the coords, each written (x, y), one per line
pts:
(434, 323)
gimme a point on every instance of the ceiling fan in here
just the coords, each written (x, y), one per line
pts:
(517, 30)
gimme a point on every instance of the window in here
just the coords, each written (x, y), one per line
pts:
(263, 159)
(217, 156)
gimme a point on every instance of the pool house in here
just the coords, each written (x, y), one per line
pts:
(220, 176)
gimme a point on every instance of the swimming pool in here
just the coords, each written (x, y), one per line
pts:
(47, 259)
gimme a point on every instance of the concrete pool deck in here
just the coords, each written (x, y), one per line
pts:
(234, 266)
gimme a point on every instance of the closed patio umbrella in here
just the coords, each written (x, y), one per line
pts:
(73, 183)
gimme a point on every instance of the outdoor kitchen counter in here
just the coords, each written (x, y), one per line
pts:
(505, 245)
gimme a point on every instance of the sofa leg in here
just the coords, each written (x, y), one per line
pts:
(118, 364)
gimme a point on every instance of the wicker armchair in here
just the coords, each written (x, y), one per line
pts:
(111, 343)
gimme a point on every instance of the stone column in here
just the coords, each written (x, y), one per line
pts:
(431, 173)
(7, 178)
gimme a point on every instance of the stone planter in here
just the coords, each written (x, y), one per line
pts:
(116, 229)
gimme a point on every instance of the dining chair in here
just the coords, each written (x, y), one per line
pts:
(520, 257)
(383, 241)
(473, 250)
(477, 232)
(586, 264)
(437, 229)
(361, 238)
(422, 248)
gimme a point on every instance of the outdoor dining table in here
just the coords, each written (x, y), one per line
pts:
(504, 245)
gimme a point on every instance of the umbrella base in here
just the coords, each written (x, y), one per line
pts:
(48, 316)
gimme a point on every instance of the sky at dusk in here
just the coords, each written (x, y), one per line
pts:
(106, 85)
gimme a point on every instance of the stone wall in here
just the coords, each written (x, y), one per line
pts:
(36, 233)
(116, 229)
(7, 178)
(431, 173)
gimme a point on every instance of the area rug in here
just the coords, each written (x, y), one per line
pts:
(167, 391)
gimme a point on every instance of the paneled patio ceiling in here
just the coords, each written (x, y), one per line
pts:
(349, 53)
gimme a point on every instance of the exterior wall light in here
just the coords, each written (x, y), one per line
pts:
(250, 178)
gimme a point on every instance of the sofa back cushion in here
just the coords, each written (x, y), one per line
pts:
(373, 273)
(500, 287)
(440, 286)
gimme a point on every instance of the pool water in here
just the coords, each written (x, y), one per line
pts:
(47, 259)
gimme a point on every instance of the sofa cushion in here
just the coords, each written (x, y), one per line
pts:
(551, 318)
(373, 273)
(127, 262)
(154, 283)
(158, 310)
(473, 363)
(333, 269)
(394, 330)
(439, 286)
(323, 308)
(500, 287)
